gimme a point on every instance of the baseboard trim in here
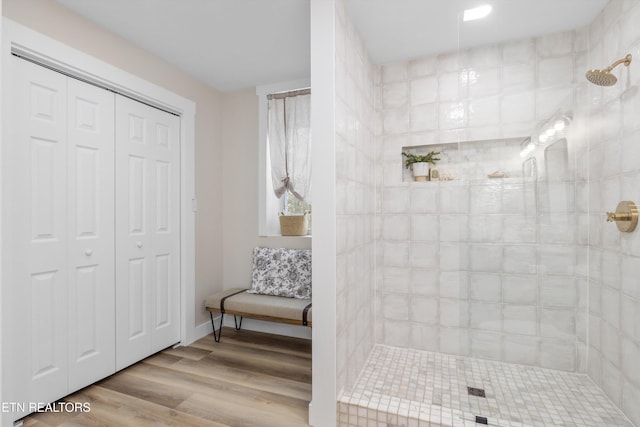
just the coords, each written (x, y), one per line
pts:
(271, 327)
(202, 330)
(275, 328)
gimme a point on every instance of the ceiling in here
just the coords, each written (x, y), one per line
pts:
(396, 30)
(235, 44)
(228, 44)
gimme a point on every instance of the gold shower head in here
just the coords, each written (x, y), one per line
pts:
(604, 77)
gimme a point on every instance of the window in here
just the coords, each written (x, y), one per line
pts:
(292, 205)
(269, 204)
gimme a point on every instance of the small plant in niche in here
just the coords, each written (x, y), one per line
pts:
(430, 157)
(419, 163)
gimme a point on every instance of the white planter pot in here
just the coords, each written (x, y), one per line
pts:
(420, 171)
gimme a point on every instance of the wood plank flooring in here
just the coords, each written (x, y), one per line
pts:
(249, 379)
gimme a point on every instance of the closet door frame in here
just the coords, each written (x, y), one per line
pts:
(31, 45)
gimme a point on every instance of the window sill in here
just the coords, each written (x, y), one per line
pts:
(308, 236)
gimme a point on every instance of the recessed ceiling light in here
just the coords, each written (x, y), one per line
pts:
(477, 12)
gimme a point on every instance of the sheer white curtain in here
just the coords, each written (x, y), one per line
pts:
(290, 145)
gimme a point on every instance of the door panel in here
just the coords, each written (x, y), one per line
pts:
(147, 231)
(163, 290)
(35, 158)
(91, 264)
(137, 300)
(44, 322)
(137, 217)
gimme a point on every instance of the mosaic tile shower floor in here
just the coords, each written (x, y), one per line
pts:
(411, 388)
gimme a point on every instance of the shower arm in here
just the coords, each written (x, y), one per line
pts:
(626, 61)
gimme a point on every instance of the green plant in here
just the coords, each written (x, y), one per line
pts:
(430, 157)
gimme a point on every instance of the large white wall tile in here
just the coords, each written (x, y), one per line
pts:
(449, 87)
(395, 307)
(422, 67)
(424, 310)
(630, 357)
(424, 118)
(424, 90)
(520, 289)
(395, 95)
(454, 284)
(483, 81)
(555, 71)
(454, 313)
(424, 255)
(558, 291)
(484, 111)
(557, 354)
(485, 316)
(519, 52)
(485, 287)
(556, 44)
(425, 282)
(395, 72)
(611, 382)
(396, 227)
(424, 199)
(486, 345)
(518, 107)
(425, 337)
(630, 399)
(610, 340)
(557, 323)
(519, 260)
(521, 350)
(425, 227)
(454, 341)
(487, 258)
(520, 319)
(630, 318)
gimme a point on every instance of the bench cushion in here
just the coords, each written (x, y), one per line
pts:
(286, 309)
(213, 301)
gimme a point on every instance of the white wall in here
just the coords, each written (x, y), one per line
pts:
(611, 173)
(355, 141)
(240, 201)
(1, 210)
(322, 410)
(57, 22)
(240, 180)
(478, 266)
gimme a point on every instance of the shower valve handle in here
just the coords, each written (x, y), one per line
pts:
(625, 216)
(619, 216)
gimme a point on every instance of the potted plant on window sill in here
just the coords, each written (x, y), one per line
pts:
(419, 164)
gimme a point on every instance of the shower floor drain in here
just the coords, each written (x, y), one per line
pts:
(476, 392)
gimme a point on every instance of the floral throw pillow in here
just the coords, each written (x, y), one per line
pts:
(281, 272)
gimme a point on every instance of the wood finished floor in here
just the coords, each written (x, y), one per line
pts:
(249, 379)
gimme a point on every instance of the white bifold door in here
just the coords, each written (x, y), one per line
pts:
(91, 234)
(148, 230)
(59, 181)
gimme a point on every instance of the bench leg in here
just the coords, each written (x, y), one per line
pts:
(235, 320)
(217, 337)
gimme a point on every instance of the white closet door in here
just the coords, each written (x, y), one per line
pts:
(36, 162)
(91, 265)
(147, 230)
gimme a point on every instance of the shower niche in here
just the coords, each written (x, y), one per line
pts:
(473, 160)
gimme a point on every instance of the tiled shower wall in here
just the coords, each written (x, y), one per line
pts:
(475, 266)
(611, 168)
(355, 193)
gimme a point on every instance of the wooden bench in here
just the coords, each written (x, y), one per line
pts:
(238, 302)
